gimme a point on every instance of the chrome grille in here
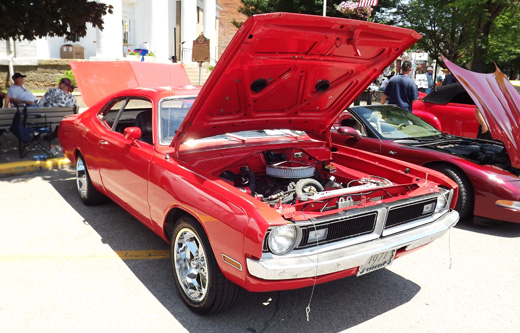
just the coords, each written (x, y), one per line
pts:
(406, 213)
(341, 229)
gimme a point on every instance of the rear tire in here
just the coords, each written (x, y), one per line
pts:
(466, 199)
(197, 276)
(86, 190)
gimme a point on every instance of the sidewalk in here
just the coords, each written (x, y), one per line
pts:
(11, 163)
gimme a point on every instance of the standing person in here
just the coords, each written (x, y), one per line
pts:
(448, 77)
(401, 89)
(19, 94)
(429, 77)
(61, 96)
(483, 129)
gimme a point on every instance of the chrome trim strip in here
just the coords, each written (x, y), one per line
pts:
(305, 263)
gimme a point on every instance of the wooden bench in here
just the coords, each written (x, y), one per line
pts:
(52, 115)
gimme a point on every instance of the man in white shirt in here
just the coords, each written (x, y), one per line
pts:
(19, 94)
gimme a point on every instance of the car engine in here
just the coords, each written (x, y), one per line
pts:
(299, 178)
(480, 153)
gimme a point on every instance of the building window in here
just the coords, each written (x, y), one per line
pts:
(126, 31)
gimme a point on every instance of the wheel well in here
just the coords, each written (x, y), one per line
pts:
(76, 154)
(172, 217)
(455, 167)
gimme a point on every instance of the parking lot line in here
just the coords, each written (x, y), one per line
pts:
(125, 255)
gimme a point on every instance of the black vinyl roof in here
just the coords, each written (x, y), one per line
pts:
(450, 93)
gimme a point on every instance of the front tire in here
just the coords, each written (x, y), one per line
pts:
(197, 276)
(465, 200)
(86, 190)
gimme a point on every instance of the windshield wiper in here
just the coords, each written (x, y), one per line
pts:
(423, 139)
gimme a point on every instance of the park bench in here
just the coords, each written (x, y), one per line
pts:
(52, 115)
(35, 118)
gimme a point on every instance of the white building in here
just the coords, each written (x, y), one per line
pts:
(165, 27)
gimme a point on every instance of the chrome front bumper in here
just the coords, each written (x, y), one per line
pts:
(321, 262)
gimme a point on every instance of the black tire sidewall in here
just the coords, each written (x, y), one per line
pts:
(465, 199)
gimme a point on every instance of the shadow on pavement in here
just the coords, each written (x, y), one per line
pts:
(335, 306)
(490, 227)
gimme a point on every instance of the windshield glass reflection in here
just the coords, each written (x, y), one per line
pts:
(395, 123)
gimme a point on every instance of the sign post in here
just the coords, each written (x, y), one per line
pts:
(200, 53)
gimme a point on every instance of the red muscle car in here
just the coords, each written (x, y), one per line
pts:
(239, 176)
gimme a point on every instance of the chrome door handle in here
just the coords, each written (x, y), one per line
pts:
(391, 152)
(102, 142)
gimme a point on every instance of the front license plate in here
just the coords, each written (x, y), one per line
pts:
(376, 261)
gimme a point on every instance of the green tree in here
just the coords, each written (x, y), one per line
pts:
(445, 28)
(486, 14)
(462, 30)
(29, 19)
(504, 40)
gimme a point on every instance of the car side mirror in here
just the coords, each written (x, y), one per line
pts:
(132, 133)
(350, 132)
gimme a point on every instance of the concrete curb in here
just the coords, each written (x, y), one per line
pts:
(14, 168)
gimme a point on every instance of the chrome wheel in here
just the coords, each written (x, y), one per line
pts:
(81, 178)
(191, 266)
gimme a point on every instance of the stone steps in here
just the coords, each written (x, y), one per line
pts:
(193, 73)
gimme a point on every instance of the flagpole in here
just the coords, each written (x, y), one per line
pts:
(324, 7)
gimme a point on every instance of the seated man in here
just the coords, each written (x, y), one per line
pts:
(61, 96)
(19, 94)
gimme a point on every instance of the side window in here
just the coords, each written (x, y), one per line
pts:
(122, 113)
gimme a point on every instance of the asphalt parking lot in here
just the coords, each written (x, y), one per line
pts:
(68, 267)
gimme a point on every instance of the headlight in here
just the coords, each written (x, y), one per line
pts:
(442, 199)
(282, 239)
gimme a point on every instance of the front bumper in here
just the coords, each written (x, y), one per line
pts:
(331, 261)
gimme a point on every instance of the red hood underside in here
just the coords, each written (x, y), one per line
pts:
(292, 71)
(499, 102)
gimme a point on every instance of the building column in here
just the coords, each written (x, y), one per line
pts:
(159, 29)
(109, 41)
(209, 29)
(188, 28)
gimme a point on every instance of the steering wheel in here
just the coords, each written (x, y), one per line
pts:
(400, 127)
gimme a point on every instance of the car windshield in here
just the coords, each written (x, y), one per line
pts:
(395, 123)
(172, 112)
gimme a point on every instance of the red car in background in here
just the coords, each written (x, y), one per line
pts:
(489, 186)
(487, 171)
(449, 109)
(240, 177)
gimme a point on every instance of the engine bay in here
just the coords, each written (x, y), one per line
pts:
(294, 177)
(481, 153)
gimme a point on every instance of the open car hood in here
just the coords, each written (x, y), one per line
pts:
(292, 71)
(99, 79)
(499, 102)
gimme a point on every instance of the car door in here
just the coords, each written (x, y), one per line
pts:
(124, 163)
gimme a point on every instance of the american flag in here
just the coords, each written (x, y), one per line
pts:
(363, 3)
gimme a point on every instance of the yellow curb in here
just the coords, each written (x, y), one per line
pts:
(30, 166)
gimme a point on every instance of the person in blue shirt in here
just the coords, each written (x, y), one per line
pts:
(429, 77)
(401, 89)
